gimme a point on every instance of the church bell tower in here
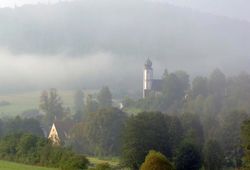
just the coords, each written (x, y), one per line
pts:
(147, 78)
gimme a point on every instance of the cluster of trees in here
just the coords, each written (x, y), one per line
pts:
(20, 125)
(181, 140)
(30, 149)
(52, 106)
(221, 103)
(100, 133)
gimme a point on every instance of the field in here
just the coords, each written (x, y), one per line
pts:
(4, 165)
(20, 102)
(94, 161)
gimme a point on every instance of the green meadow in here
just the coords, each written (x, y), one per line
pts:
(5, 165)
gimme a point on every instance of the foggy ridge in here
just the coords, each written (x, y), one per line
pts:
(126, 33)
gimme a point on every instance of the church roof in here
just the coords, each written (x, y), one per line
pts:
(63, 129)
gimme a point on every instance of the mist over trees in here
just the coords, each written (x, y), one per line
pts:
(94, 31)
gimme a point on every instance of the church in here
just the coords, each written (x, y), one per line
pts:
(151, 86)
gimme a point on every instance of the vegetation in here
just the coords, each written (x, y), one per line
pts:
(245, 136)
(156, 161)
(213, 156)
(188, 157)
(193, 124)
(30, 149)
(5, 165)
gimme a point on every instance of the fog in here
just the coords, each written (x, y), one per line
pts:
(91, 43)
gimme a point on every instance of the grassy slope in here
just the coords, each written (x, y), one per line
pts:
(4, 165)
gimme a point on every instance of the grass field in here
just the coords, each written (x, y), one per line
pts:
(4, 165)
(95, 161)
(20, 102)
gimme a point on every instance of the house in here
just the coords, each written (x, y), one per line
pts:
(60, 132)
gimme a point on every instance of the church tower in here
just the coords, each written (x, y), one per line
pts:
(147, 78)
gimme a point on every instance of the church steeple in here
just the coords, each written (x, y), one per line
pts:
(147, 77)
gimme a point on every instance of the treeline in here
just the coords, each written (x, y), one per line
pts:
(30, 149)
(22, 140)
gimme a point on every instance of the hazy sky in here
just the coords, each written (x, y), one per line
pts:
(239, 9)
(232, 8)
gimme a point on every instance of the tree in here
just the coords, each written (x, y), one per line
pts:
(18, 125)
(176, 133)
(245, 137)
(51, 105)
(104, 98)
(217, 88)
(79, 104)
(188, 157)
(156, 161)
(199, 86)
(193, 129)
(91, 105)
(144, 132)
(229, 137)
(213, 156)
(103, 131)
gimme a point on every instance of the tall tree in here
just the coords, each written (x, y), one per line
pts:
(213, 156)
(91, 105)
(51, 104)
(193, 129)
(200, 86)
(245, 137)
(229, 137)
(188, 157)
(103, 131)
(144, 132)
(104, 98)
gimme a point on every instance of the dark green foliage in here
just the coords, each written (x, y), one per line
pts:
(188, 157)
(19, 125)
(213, 156)
(156, 161)
(229, 137)
(103, 166)
(144, 132)
(30, 149)
(103, 131)
(176, 133)
(193, 129)
(104, 98)
(245, 138)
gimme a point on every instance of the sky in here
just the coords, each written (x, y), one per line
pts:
(239, 9)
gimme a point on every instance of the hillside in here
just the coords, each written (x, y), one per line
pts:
(122, 34)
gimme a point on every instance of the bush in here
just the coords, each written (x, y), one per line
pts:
(156, 161)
